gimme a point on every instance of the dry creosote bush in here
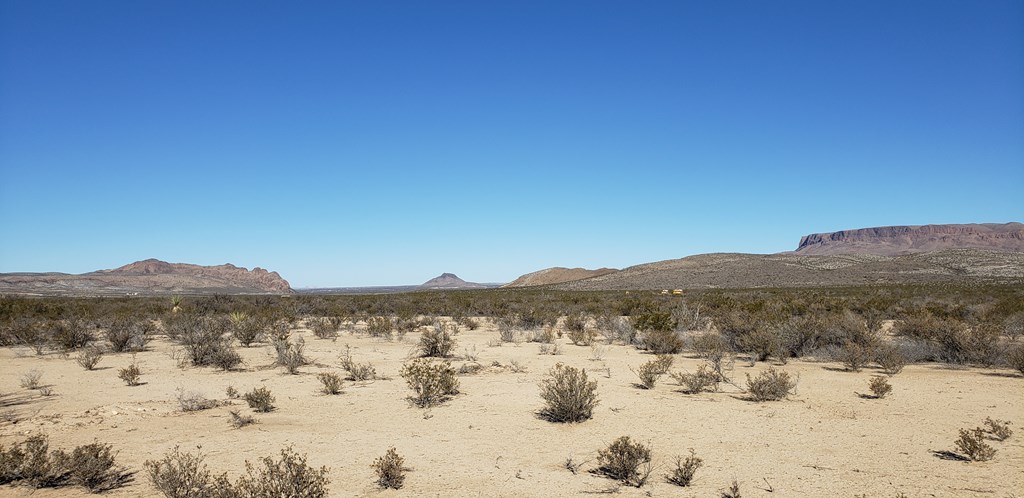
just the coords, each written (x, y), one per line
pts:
(685, 468)
(879, 386)
(625, 461)
(390, 470)
(650, 372)
(568, 395)
(432, 383)
(972, 445)
(770, 385)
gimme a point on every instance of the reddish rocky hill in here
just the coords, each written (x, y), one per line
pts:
(150, 276)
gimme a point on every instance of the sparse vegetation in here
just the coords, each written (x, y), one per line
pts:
(89, 357)
(92, 466)
(380, 326)
(290, 476)
(432, 382)
(972, 445)
(770, 385)
(879, 386)
(390, 470)
(651, 371)
(31, 379)
(331, 383)
(568, 395)
(260, 399)
(291, 354)
(194, 401)
(684, 469)
(622, 460)
(438, 342)
(238, 420)
(999, 429)
(704, 379)
(131, 374)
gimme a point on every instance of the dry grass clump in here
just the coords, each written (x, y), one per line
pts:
(260, 399)
(91, 466)
(437, 342)
(770, 385)
(89, 357)
(131, 374)
(568, 395)
(684, 469)
(972, 445)
(879, 386)
(31, 379)
(390, 470)
(331, 383)
(432, 383)
(652, 370)
(733, 491)
(622, 460)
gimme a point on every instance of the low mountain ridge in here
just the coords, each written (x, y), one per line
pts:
(150, 276)
(557, 275)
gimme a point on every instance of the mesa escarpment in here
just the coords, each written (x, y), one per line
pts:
(150, 276)
(893, 240)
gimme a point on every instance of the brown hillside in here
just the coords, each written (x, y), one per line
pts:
(890, 241)
(557, 275)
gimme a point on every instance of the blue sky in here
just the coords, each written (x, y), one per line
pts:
(378, 143)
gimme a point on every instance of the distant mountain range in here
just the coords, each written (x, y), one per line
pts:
(881, 255)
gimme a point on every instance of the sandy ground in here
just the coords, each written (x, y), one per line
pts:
(488, 441)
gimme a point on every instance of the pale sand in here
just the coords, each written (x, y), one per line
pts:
(488, 441)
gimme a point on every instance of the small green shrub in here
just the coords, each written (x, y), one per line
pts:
(770, 385)
(432, 383)
(390, 470)
(622, 461)
(568, 395)
(684, 469)
(260, 399)
(972, 444)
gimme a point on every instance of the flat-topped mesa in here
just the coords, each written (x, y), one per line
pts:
(241, 277)
(893, 240)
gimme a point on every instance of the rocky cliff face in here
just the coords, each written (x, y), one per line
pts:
(890, 241)
(257, 278)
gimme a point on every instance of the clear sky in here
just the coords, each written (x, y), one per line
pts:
(380, 143)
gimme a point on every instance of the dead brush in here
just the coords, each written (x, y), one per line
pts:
(239, 420)
(684, 470)
(89, 357)
(193, 401)
(358, 372)
(879, 386)
(131, 374)
(622, 460)
(770, 385)
(972, 445)
(330, 383)
(704, 379)
(30, 379)
(999, 429)
(650, 372)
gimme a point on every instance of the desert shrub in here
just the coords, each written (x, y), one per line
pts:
(260, 399)
(129, 335)
(225, 357)
(616, 328)
(704, 379)
(544, 336)
(357, 371)
(325, 327)
(71, 334)
(202, 337)
(93, 466)
(972, 444)
(508, 328)
(890, 358)
(689, 318)
(733, 491)
(194, 401)
(762, 342)
(662, 341)
(999, 429)
(684, 469)
(10, 463)
(879, 386)
(955, 341)
(622, 460)
(291, 355)
(390, 470)
(709, 344)
(854, 356)
(184, 475)
(650, 317)
(576, 329)
(650, 372)
(31, 334)
(551, 349)
(1015, 358)
(89, 357)
(232, 393)
(432, 383)
(288, 477)
(379, 326)
(770, 385)
(331, 382)
(437, 343)
(130, 374)
(38, 468)
(31, 379)
(239, 420)
(568, 395)
(249, 329)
